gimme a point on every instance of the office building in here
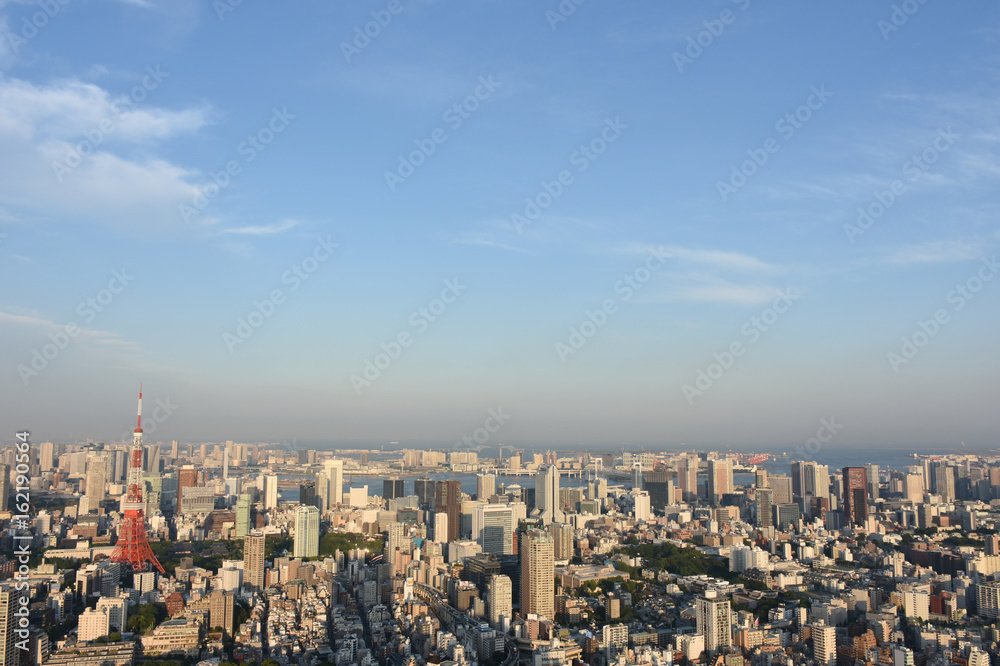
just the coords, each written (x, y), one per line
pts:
(493, 527)
(243, 516)
(306, 531)
(763, 505)
(720, 480)
(425, 489)
(547, 502)
(486, 486)
(392, 489)
(449, 501)
(855, 494)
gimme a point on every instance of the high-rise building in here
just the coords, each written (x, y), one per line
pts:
(500, 599)
(392, 489)
(914, 488)
(714, 621)
(449, 501)
(781, 486)
(424, 489)
(943, 481)
(493, 527)
(988, 600)
(537, 574)
(687, 474)
(306, 531)
(562, 541)
(253, 560)
(765, 497)
(615, 641)
(824, 644)
(333, 470)
(242, 516)
(46, 456)
(116, 609)
(548, 506)
(270, 492)
(657, 484)
(486, 486)
(4, 489)
(187, 477)
(93, 624)
(10, 603)
(307, 493)
(720, 479)
(221, 609)
(871, 472)
(441, 527)
(855, 496)
(97, 467)
(642, 506)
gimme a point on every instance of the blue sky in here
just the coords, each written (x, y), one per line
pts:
(641, 126)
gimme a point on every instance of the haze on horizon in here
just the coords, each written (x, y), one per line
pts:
(609, 231)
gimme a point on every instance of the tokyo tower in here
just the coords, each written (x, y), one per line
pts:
(133, 547)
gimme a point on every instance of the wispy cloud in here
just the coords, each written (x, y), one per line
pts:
(95, 335)
(937, 252)
(263, 230)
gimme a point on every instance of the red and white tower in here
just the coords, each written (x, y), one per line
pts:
(133, 546)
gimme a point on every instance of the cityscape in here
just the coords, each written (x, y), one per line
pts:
(499, 333)
(229, 553)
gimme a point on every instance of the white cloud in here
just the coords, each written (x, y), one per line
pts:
(263, 230)
(43, 126)
(937, 252)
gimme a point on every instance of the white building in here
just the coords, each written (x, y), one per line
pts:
(714, 621)
(116, 608)
(306, 531)
(93, 624)
(615, 640)
(500, 596)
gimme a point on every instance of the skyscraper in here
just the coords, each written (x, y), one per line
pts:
(270, 492)
(307, 493)
(714, 621)
(392, 489)
(687, 473)
(547, 503)
(562, 541)
(424, 489)
(500, 599)
(493, 527)
(242, 516)
(486, 486)
(10, 603)
(537, 574)
(333, 471)
(306, 531)
(253, 560)
(765, 498)
(46, 457)
(720, 480)
(97, 466)
(855, 496)
(449, 501)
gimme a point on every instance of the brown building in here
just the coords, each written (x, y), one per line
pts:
(449, 500)
(855, 496)
(175, 603)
